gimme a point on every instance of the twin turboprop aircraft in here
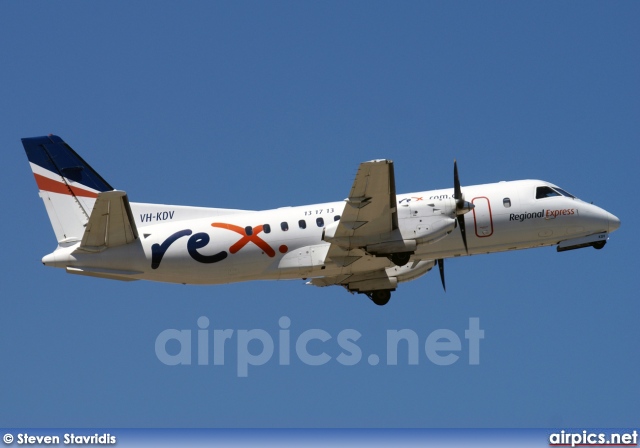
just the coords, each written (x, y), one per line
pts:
(368, 243)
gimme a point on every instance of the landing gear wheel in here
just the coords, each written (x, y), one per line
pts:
(380, 297)
(599, 245)
(401, 258)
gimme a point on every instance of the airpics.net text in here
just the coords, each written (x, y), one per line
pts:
(257, 347)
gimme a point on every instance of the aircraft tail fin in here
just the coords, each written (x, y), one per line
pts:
(68, 185)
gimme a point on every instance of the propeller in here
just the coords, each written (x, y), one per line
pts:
(462, 206)
(440, 262)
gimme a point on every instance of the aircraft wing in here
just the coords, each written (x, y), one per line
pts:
(370, 213)
(371, 205)
(111, 223)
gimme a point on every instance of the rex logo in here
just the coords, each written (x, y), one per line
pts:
(201, 239)
(247, 236)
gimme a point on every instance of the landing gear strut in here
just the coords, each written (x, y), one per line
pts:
(380, 296)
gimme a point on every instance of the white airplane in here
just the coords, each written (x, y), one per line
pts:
(368, 243)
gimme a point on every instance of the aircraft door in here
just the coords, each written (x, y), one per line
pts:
(482, 218)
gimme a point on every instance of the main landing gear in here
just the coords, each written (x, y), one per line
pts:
(400, 258)
(380, 296)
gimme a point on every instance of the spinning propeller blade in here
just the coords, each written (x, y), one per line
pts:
(440, 262)
(462, 206)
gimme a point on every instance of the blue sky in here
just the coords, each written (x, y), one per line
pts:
(264, 104)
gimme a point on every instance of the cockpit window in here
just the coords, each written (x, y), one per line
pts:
(549, 192)
(564, 193)
(546, 192)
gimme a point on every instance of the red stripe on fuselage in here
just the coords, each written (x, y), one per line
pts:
(54, 186)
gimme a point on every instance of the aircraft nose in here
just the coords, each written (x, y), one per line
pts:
(614, 222)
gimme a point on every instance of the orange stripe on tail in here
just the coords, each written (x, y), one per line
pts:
(54, 186)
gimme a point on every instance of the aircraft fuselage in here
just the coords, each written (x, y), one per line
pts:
(287, 243)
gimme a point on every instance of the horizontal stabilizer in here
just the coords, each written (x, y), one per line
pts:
(110, 274)
(111, 223)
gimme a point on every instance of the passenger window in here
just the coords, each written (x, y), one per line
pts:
(320, 222)
(266, 228)
(506, 202)
(284, 226)
(336, 218)
(302, 223)
(248, 230)
(546, 192)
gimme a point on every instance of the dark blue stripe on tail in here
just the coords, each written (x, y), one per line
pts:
(52, 153)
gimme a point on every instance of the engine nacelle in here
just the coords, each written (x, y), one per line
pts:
(329, 231)
(434, 229)
(392, 247)
(390, 283)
